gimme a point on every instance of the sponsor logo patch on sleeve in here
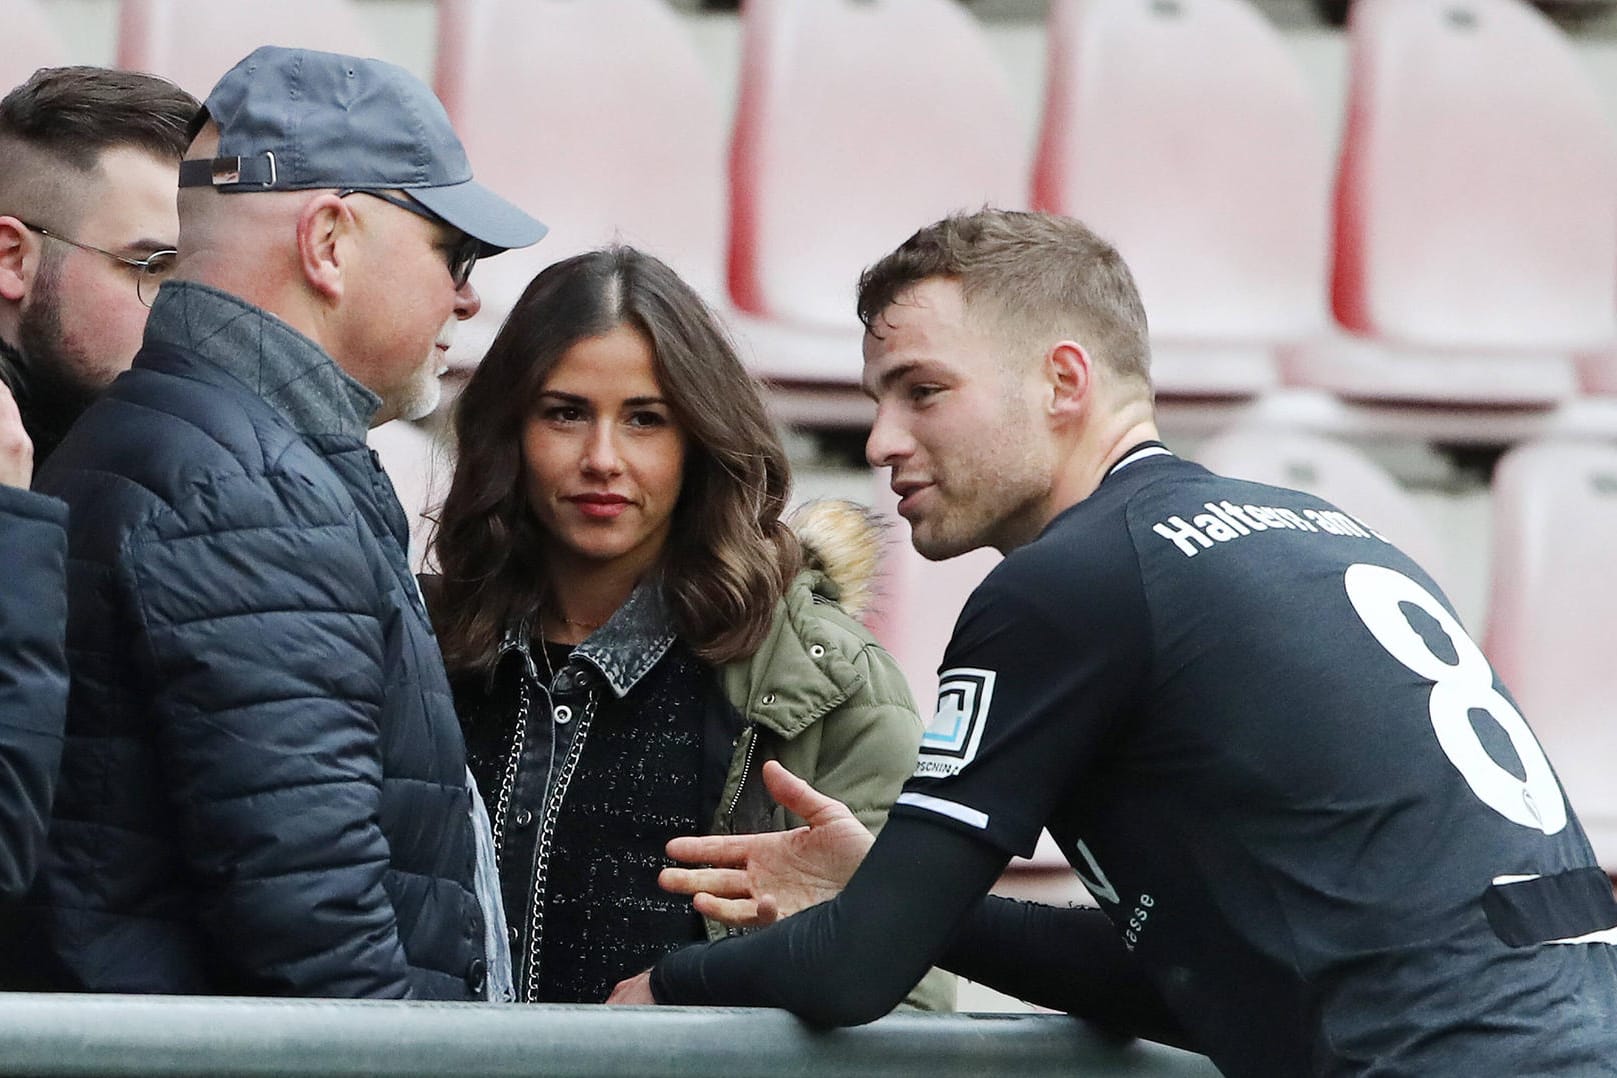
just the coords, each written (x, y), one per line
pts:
(950, 742)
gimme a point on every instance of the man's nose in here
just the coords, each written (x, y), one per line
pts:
(889, 441)
(467, 301)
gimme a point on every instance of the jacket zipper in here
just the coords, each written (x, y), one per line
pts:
(751, 734)
(536, 924)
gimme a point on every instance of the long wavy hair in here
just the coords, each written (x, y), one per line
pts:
(729, 556)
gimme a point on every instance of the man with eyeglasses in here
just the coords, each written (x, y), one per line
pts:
(87, 227)
(264, 786)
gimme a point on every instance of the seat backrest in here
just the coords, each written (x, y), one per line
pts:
(857, 122)
(193, 42)
(1476, 201)
(1183, 132)
(1553, 606)
(1340, 474)
(31, 42)
(919, 601)
(600, 119)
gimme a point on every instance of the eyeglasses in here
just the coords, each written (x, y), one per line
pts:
(462, 256)
(150, 272)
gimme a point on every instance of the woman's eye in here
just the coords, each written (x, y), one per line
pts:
(564, 413)
(647, 419)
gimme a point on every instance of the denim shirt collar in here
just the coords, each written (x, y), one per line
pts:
(624, 649)
(291, 372)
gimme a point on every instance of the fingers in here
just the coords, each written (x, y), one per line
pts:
(725, 851)
(738, 912)
(796, 795)
(16, 451)
(633, 991)
(723, 882)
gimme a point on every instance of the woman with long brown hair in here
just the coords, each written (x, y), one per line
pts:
(630, 626)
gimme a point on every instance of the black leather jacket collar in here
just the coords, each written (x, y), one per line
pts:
(623, 650)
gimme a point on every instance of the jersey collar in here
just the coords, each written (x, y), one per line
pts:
(1139, 452)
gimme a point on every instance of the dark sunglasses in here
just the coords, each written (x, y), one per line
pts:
(462, 255)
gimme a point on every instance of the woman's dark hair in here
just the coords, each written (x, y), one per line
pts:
(729, 557)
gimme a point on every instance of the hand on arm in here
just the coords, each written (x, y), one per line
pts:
(16, 451)
(852, 959)
(633, 991)
(754, 880)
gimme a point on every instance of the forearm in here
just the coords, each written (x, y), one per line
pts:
(850, 960)
(1067, 958)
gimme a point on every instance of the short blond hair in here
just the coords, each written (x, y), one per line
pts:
(1034, 277)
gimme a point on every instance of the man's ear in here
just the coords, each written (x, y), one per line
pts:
(16, 268)
(1071, 377)
(326, 229)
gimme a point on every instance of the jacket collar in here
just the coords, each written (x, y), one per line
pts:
(290, 372)
(624, 649)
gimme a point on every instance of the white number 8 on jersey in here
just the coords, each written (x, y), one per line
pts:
(1377, 594)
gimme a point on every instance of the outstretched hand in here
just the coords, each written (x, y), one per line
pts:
(754, 880)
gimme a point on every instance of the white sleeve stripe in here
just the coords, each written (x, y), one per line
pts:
(950, 809)
(1605, 935)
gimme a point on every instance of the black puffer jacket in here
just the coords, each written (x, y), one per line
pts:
(33, 676)
(263, 788)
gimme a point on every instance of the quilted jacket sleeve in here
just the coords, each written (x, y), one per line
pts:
(261, 618)
(33, 676)
(866, 746)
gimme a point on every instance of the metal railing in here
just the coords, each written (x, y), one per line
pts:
(181, 1037)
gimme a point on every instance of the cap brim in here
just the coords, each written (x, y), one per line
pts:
(481, 214)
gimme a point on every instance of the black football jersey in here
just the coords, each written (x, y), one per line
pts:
(1271, 752)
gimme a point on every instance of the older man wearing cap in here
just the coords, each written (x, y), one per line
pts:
(263, 788)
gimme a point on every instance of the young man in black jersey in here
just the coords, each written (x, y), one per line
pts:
(1322, 837)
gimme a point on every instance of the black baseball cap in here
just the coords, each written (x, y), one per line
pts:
(297, 119)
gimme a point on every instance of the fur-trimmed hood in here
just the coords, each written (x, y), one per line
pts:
(842, 539)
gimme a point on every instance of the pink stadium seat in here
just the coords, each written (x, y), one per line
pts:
(193, 42)
(31, 42)
(601, 120)
(858, 121)
(1553, 610)
(1183, 132)
(1597, 372)
(1336, 472)
(1476, 209)
(420, 470)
